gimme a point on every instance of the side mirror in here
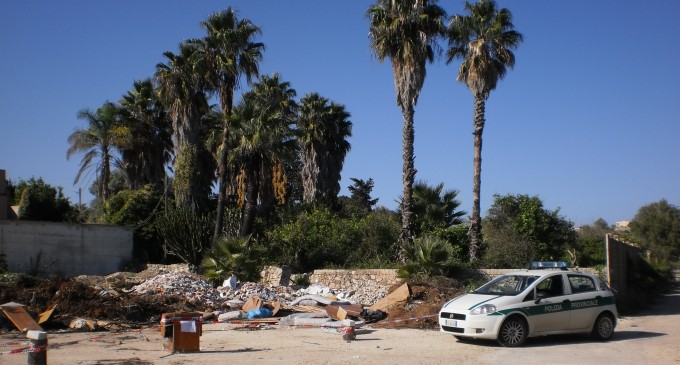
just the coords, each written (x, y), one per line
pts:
(540, 295)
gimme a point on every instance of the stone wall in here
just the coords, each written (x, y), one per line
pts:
(345, 279)
(65, 249)
(385, 278)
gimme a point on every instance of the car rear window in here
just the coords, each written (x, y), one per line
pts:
(581, 284)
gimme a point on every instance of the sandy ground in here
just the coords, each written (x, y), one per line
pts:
(652, 337)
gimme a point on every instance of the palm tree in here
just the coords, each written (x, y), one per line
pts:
(435, 207)
(148, 141)
(275, 100)
(484, 39)
(261, 140)
(99, 142)
(181, 90)
(229, 52)
(405, 31)
(323, 128)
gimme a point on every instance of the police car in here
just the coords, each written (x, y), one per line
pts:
(546, 299)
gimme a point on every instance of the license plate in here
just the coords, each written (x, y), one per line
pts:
(450, 323)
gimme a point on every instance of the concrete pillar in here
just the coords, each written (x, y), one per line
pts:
(37, 354)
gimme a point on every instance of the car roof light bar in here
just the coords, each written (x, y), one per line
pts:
(549, 265)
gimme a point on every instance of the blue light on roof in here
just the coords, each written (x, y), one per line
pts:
(549, 265)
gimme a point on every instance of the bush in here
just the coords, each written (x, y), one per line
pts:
(229, 255)
(321, 239)
(428, 256)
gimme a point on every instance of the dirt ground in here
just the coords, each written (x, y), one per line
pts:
(650, 337)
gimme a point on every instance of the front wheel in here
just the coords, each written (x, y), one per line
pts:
(513, 332)
(603, 329)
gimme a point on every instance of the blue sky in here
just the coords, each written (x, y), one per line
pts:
(588, 120)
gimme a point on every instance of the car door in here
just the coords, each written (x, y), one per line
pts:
(550, 310)
(585, 301)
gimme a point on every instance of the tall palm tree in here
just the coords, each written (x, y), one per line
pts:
(323, 128)
(484, 39)
(99, 143)
(229, 51)
(405, 31)
(181, 90)
(275, 99)
(262, 138)
(148, 141)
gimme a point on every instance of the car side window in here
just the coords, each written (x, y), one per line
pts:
(581, 284)
(550, 287)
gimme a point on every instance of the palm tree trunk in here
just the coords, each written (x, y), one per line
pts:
(475, 221)
(408, 176)
(221, 183)
(227, 98)
(252, 190)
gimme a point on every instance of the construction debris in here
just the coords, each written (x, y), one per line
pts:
(129, 300)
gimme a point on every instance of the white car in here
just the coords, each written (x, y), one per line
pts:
(534, 302)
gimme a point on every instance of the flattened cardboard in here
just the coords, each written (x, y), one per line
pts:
(19, 316)
(399, 295)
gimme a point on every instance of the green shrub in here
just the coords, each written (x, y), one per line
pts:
(428, 256)
(230, 255)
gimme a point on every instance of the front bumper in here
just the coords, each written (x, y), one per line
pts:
(474, 326)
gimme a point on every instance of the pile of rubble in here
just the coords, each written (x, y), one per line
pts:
(141, 298)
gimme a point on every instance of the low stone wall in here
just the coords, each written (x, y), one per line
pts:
(385, 278)
(344, 279)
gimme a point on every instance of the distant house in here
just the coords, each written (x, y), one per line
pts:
(621, 226)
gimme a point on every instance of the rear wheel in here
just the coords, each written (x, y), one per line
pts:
(513, 332)
(603, 329)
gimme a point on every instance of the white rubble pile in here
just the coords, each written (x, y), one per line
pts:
(197, 290)
(194, 289)
(267, 293)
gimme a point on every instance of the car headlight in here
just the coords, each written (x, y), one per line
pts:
(484, 309)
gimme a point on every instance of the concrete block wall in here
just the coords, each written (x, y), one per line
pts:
(345, 279)
(65, 249)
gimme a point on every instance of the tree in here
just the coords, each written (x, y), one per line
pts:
(323, 127)
(181, 90)
(484, 39)
(99, 143)
(360, 203)
(139, 209)
(406, 31)
(589, 249)
(228, 51)
(657, 227)
(43, 202)
(263, 136)
(435, 208)
(147, 142)
(518, 230)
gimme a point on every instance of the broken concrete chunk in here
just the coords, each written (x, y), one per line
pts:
(82, 324)
(229, 316)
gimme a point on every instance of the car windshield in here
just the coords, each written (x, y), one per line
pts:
(506, 285)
